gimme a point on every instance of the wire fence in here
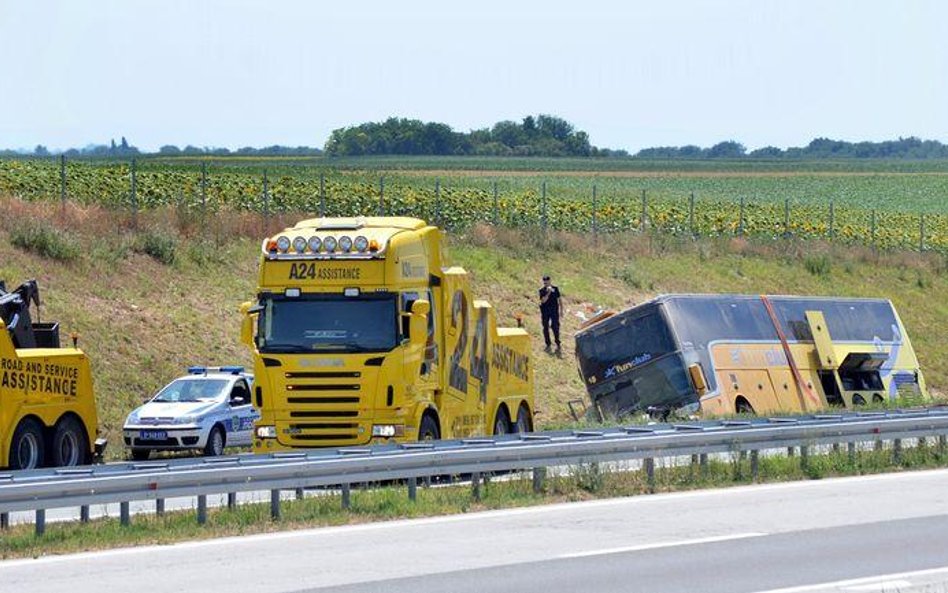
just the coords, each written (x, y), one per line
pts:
(456, 204)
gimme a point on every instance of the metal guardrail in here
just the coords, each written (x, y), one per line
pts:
(39, 490)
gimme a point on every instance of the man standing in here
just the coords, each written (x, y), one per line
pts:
(550, 312)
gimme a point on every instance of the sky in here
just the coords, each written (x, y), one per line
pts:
(232, 73)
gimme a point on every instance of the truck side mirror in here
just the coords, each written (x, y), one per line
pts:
(248, 315)
(418, 324)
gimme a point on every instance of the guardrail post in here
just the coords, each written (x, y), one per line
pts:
(897, 451)
(836, 448)
(755, 465)
(649, 464)
(125, 517)
(791, 451)
(739, 465)
(40, 522)
(476, 486)
(4, 520)
(413, 488)
(202, 509)
(275, 505)
(942, 443)
(539, 474)
(804, 457)
(878, 445)
(851, 451)
(299, 494)
(160, 506)
(231, 501)
(703, 463)
(84, 513)
(346, 497)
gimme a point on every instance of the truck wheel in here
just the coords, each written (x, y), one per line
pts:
(26, 448)
(523, 420)
(69, 444)
(428, 431)
(141, 454)
(502, 422)
(215, 442)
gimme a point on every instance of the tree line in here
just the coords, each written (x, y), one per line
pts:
(543, 135)
(819, 148)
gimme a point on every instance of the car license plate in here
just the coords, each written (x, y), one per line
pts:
(153, 435)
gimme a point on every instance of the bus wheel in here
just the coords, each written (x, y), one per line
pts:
(742, 406)
(70, 447)
(26, 447)
(428, 431)
(502, 422)
(523, 420)
(859, 400)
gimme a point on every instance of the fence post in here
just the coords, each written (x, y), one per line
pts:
(202, 509)
(266, 201)
(346, 497)
(438, 202)
(691, 214)
(650, 474)
(740, 223)
(543, 208)
(539, 474)
(642, 219)
(921, 232)
(496, 211)
(832, 220)
(275, 505)
(62, 180)
(203, 194)
(595, 223)
(134, 191)
(381, 195)
(40, 522)
(322, 195)
(872, 232)
(786, 218)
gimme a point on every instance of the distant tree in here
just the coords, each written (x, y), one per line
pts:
(728, 149)
(169, 149)
(40, 150)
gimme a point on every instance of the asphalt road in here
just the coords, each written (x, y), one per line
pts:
(879, 533)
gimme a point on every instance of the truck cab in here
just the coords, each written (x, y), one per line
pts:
(360, 334)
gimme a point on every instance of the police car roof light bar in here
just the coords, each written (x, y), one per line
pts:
(196, 370)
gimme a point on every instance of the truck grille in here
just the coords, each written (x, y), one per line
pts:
(323, 407)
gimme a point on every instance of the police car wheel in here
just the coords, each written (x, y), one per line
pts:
(215, 442)
(27, 450)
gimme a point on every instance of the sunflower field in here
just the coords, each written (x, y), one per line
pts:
(889, 210)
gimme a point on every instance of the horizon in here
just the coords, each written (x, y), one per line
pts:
(232, 74)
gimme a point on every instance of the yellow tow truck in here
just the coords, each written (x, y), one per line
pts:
(47, 406)
(361, 334)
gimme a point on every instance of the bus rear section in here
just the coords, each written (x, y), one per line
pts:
(760, 354)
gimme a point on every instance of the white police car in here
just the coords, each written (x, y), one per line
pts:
(207, 409)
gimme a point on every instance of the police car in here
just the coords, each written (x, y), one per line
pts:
(206, 410)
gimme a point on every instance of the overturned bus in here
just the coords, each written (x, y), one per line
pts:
(732, 354)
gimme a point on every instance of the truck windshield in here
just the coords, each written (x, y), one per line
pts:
(328, 323)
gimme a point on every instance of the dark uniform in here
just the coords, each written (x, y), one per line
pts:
(550, 312)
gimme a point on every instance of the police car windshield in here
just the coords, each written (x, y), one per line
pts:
(192, 390)
(328, 323)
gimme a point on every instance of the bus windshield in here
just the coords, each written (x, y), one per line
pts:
(629, 364)
(328, 323)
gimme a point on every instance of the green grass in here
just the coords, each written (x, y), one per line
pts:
(581, 482)
(44, 239)
(142, 321)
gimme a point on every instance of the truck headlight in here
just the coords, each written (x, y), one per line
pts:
(388, 430)
(266, 432)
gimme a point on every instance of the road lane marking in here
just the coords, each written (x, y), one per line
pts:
(881, 586)
(871, 583)
(639, 548)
